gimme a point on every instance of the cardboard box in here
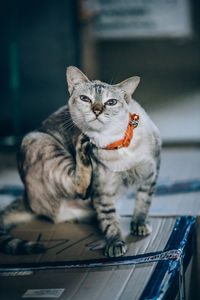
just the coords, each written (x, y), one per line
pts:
(74, 267)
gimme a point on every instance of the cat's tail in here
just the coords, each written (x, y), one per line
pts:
(14, 214)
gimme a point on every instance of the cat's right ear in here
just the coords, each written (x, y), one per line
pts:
(74, 77)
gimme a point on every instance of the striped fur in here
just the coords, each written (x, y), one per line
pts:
(67, 174)
(14, 214)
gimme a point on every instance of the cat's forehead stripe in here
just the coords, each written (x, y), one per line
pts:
(98, 89)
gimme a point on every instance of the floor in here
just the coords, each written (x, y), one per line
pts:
(178, 165)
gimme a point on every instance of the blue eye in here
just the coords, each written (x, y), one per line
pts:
(111, 102)
(85, 98)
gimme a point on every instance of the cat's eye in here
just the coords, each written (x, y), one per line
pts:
(111, 102)
(85, 98)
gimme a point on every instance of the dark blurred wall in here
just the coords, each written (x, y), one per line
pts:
(39, 40)
(167, 66)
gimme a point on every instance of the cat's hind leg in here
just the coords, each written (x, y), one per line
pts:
(76, 211)
(50, 172)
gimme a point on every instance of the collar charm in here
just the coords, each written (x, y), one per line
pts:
(125, 142)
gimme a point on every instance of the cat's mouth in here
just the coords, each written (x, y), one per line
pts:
(96, 123)
(96, 120)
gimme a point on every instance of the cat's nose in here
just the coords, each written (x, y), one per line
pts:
(97, 110)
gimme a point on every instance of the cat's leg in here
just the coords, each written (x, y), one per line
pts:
(105, 188)
(109, 225)
(144, 193)
(76, 210)
(51, 174)
(83, 171)
(16, 213)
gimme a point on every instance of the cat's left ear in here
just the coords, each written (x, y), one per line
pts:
(129, 85)
(74, 77)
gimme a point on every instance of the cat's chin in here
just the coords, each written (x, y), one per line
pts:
(96, 124)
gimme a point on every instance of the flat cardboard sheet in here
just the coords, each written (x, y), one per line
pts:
(68, 242)
(77, 242)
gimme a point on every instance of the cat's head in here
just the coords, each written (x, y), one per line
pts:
(95, 105)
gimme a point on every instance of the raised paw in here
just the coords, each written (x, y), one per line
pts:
(83, 149)
(83, 167)
(140, 228)
(115, 248)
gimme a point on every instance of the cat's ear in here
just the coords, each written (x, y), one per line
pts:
(129, 85)
(74, 77)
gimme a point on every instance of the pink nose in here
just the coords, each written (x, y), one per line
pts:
(97, 112)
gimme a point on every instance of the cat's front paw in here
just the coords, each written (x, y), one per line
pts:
(83, 167)
(83, 149)
(115, 248)
(140, 228)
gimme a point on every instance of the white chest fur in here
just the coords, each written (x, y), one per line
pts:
(125, 158)
(140, 150)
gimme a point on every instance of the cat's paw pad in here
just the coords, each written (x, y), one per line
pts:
(115, 248)
(140, 228)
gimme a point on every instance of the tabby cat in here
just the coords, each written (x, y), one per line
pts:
(70, 173)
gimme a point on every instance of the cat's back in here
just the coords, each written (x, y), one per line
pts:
(60, 125)
(56, 133)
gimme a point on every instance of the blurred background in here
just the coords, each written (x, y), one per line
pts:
(111, 40)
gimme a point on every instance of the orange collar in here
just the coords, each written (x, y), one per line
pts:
(125, 142)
